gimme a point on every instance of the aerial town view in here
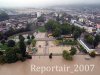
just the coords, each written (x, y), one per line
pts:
(49, 37)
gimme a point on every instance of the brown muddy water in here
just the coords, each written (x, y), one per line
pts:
(25, 68)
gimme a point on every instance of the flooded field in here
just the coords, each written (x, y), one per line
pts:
(27, 67)
(58, 49)
(24, 68)
(40, 35)
(40, 44)
(51, 48)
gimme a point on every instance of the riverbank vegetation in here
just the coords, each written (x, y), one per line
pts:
(69, 55)
(11, 52)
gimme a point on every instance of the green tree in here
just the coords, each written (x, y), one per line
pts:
(3, 41)
(57, 32)
(5, 37)
(96, 40)
(22, 46)
(66, 55)
(89, 39)
(33, 43)
(11, 56)
(29, 42)
(21, 38)
(32, 37)
(73, 51)
(1, 53)
(92, 54)
(76, 35)
(28, 37)
(66, 29)
(51, 25)
(11, 43)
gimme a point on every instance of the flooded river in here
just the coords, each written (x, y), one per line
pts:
(24, 68)
(42, 65)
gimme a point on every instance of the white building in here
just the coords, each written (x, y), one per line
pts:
(38, 14)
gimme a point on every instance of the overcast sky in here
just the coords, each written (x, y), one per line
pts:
(41, 3)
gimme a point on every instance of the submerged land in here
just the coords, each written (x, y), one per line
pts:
(49, 37)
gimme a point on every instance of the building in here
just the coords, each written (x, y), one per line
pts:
(98, 28)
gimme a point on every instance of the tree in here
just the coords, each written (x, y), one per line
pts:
(28, 37)
(66, 55)
(11, 55)
(72, 29)
(1, 35)
(96, 40)
(63, 29)
(76, 34)
(3, 41)
(5, 37)
(66, 29)
(22, 46)
(89, 39)
(73, 51)
(1, 53)
(81, 48)
(29, 42)
(32, 37)
(51, 25)
(11, 43)
(57, 32)
(33, 43)
(92, 54)
(21, 38)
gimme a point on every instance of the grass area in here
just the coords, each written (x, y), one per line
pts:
(70, 42)
(65, 42)
(41, 29)
(57, 42)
